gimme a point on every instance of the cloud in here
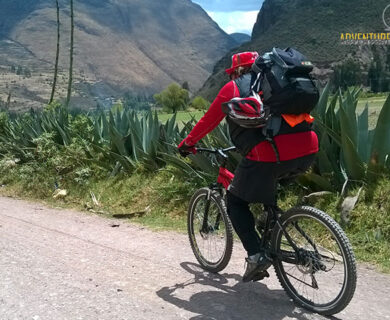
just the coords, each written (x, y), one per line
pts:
(232, 15)
(229, 5)
(235, 21)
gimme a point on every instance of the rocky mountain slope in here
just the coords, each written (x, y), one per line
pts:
(314, 27)
(120, 45)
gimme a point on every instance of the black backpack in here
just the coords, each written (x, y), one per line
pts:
(285, 81)
(282, 77)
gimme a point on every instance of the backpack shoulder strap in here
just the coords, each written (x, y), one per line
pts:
(270, 131)
(245, 83)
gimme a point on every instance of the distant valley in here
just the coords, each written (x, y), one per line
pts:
(139, 46)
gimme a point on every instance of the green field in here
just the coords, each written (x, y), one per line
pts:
(374, 103)
(182, 116)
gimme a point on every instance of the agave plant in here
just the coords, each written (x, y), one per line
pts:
(349, 149)
(129, 138)
(21, 132)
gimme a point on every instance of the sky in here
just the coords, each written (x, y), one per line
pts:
(232, 15)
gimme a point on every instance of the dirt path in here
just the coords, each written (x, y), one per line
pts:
(62, 264)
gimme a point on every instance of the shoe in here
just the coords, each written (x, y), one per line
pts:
(260, 275)
(255, 265)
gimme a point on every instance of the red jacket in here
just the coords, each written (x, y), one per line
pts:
(290, 146)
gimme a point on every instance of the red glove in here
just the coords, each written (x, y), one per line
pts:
(185, 149)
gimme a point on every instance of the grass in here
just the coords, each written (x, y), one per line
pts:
(181, 116)
(375, 105)
(159, 201)
(152, 199)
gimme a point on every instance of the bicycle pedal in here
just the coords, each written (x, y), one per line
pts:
(260, 276)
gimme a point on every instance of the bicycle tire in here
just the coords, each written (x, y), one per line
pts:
(350, 276)
(217, 203)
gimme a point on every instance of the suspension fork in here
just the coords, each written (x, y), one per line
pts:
(205, 226)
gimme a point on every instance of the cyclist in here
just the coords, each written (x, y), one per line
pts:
(257, 174)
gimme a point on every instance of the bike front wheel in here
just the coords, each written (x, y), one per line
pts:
(210, 230)
(314, 261)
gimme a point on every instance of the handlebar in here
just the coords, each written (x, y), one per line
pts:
(221, 152)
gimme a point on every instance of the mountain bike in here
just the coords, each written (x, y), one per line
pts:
(312, 256)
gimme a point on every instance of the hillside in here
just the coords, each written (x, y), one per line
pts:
(314, 27)
(240, 37)
(120, 45)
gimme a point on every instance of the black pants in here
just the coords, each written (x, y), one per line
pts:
(243, 223)
(255, 182)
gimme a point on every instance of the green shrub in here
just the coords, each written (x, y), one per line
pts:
(81, 126)
(200, 103)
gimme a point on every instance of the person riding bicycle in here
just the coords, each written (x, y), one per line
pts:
(257, 174)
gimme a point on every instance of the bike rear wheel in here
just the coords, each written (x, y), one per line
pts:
(321, 277)
(211, 234)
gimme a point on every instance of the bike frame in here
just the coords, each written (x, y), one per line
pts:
(225, 178)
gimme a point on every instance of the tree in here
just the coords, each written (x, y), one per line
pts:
(347, 74)
(200, 103)
(375, 74)
(19, 71)
(8, 105)
(53, 89)
(185, 85)
(173, 98)
(387, 64)
(71, 54)
(135, 101)
(27, 72)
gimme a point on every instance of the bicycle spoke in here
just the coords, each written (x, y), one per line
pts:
(302, 281)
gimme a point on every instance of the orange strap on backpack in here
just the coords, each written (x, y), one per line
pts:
(294, 120)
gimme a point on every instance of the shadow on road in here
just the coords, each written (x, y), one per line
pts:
(224, 296)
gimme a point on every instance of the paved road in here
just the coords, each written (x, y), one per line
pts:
(62, 264)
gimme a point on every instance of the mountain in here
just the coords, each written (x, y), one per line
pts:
(240, 38)
(120, 45)
(314, 28)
